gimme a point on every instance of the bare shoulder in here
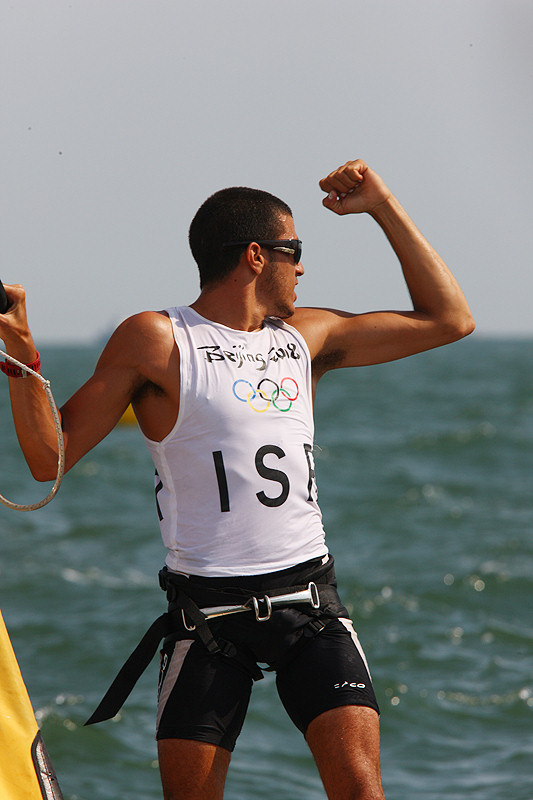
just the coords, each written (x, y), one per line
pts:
(316, 326)
(154, 324)
(317, 316)
(143, 342)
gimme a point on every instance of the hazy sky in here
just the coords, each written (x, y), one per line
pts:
(121, 116)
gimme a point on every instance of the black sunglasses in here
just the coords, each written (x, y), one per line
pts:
(292, 246)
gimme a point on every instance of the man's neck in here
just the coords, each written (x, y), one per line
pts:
(225, 308)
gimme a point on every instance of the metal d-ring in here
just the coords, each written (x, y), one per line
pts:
(268, 602)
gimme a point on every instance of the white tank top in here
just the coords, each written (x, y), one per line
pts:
(235, 481)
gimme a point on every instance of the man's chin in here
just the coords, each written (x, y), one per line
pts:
(285, 312)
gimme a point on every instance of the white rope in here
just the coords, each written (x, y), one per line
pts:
(60, 442)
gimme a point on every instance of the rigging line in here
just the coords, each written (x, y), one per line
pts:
(60, 443)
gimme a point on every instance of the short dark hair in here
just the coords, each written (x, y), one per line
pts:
(234, 214)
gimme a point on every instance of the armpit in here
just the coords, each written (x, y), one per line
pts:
(323, 362)
(145, 389)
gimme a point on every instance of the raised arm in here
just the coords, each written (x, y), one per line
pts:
(134, 366)
(440, 312)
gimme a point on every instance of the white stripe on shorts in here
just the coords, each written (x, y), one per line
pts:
(177, 658)
(349, 627)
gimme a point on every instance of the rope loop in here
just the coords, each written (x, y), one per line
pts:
(60, 443)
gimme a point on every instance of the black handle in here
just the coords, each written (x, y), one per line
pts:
(4, 302)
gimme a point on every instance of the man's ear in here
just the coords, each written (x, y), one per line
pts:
(255, 257)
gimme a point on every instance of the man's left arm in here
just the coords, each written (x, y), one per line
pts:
(440, 312)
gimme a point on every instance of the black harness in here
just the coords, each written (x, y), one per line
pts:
(185, 619)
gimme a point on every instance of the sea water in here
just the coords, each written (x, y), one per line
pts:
(425, 474)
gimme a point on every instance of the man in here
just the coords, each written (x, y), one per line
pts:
(222, 391)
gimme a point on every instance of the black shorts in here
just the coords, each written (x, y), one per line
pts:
(205, 697)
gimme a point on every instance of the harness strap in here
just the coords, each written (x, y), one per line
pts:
(172, 582)
(130, 673)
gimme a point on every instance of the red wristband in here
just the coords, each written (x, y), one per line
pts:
(12, 371)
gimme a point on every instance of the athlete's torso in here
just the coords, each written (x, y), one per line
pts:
(235, 478)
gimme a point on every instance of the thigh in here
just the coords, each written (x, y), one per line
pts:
(330, 672)
(202, 697)
(192, 770)
(345, 745)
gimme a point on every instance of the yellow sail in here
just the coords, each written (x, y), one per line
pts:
(25, 769)
(128, 417)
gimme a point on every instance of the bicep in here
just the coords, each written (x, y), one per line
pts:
(340, 339)
(383, 336)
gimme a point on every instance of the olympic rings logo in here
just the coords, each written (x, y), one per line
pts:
(268, 393)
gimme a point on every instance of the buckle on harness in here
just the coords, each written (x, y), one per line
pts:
(268, 603)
